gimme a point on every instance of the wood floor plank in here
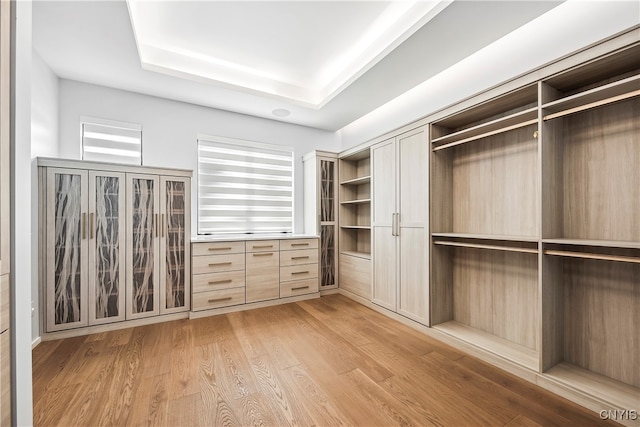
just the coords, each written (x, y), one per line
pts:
(323, 362)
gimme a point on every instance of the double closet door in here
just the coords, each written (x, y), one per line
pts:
(400, 217)
(115, 246)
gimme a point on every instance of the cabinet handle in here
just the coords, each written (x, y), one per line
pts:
(299, 288)
(155, 223)
(84, 225)
(162, 224)
(393, 224)
(300, 272)
(300, 257)
(264, 254)
(214, 264)
(262, 246)
(219, 299)
(219, 249)
(91, 225)
(300, 244)
(218, 282)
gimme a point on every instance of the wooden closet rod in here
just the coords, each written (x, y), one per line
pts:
(593, 256)
(484, 135)
(592, 105)
(481, 246)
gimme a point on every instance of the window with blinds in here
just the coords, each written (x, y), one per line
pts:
(244, 187)
(112, 142)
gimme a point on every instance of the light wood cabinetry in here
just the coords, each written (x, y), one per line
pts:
(321, 211)
(218, 274)
(590, 128)
(263, 270)
(5, 212)
(256, 272)
(114, 243)
(535, 257)
(355, 220)
(400, 171)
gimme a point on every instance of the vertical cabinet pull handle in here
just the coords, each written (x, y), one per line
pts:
(156, 225)
(84, 225)
(91, 225)
(162, 224)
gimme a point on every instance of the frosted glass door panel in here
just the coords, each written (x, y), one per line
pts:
(174, 222)
(67, 261)
(106, 247)
(142, 257)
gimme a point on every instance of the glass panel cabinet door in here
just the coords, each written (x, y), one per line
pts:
(106, 247)
(67, 255)
(175, 223)
(142, 246)
(327, 222)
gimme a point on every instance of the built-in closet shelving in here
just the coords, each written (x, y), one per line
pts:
(354, 177)
(590, 118)
(535, 228)
(484, 219)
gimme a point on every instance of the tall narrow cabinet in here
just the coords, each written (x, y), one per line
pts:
(114, 245)
(400, 218)
(321, 211)
(5, 213)
(355, 223)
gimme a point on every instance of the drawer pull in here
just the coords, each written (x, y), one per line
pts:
(262, 246)
(300, 244)
(300, 272)
(220, 299)
(264, 254)
(219, 249)
(300, 257)
(218, 282)
(299, 288)
(215, 264)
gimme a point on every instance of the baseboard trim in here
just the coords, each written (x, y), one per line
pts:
(35, 342)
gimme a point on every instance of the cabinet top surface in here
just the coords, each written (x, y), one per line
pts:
(117, 167)
(234, 237)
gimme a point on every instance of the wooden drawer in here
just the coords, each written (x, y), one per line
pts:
(298, 272)
(5, 379)
(217, 263)
(300, 256)
(290, 244)
(298, 287)
(263, 245)
(216, 248)
(217, 299)
(355, 275)
(4, 303)
(216, 281)
(263, 276)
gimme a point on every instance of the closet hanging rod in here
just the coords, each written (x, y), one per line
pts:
(584, 255)
(481, 246)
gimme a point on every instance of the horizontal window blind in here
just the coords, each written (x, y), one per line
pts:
(244, 187)
(114, 144)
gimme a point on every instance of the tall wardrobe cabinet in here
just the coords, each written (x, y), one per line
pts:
(114, 245)
(400, 217)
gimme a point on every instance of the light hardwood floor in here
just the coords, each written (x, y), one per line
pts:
(328, 361)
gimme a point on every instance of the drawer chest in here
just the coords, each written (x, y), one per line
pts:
(237, 272)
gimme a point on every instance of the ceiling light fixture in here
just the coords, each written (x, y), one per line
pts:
(281, 112)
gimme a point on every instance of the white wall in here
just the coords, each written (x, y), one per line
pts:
(44, 142)
(21, 219)
(565, 29)
(170, 128)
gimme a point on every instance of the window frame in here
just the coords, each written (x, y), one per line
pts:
(243, 144)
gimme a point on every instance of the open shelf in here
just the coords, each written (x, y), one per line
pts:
(600, 243)
(355, 202)
(485, 246)
(357, 227)
(531, 239)
(593, 98)
(519, 354)
(365, 255)
(614, 392)
(494, 127)
(357, 181)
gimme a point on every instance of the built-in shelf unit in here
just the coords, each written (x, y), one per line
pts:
(354, 173)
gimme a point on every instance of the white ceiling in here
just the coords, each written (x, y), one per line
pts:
(327, 62)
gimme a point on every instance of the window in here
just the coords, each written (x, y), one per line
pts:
(244, 187)
(114, 142)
